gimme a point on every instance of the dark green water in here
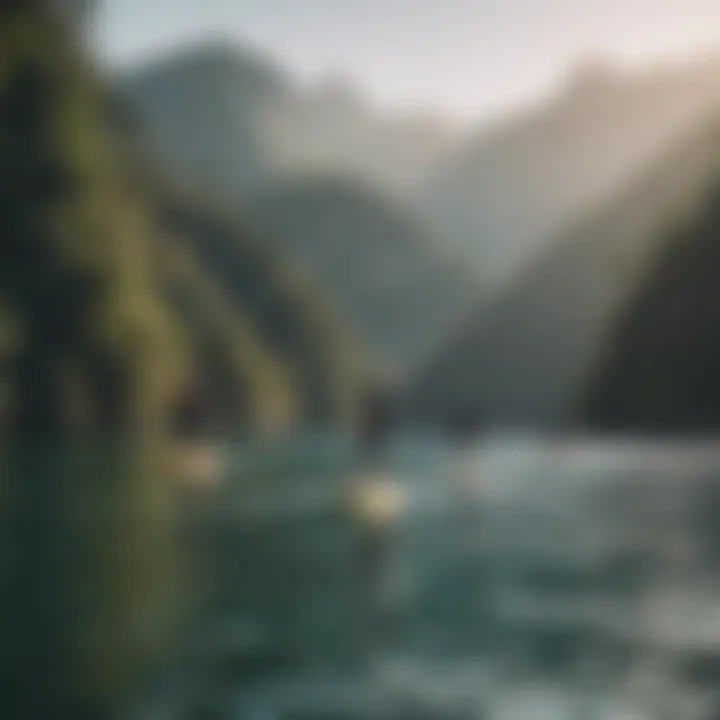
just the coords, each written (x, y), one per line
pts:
(520, 577)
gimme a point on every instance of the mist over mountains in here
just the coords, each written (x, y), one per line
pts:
(234, 120)
(512, 190)
(528, 358)
(323, 176)
(532, 236)
(388, 277)
(574, 202)
(206, 255)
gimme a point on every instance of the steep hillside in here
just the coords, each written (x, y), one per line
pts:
(202, 114)
(231, 126)
(660, 372)
(95, 346)
(72, 163)
(90, 368)
(386, 276)
(269, 347)
(525, 359)
(512, 190)
(114, 297)
(229, 119)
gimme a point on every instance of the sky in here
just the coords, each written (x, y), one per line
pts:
(466, 59)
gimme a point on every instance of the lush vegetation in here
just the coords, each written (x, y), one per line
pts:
(116, 297)
(248, 311)
(91, 366)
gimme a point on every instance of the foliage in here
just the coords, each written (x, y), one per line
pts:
(238, 278)
(90, 363)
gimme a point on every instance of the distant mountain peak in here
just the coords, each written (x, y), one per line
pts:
(509, 191)
(213, 56)
(526, 357)
(234, 118)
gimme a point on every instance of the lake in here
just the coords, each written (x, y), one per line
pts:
(522, 578)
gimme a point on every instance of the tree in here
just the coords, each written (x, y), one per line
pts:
(89, 380)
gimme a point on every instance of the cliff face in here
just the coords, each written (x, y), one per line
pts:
(660, 372)
(525, 360)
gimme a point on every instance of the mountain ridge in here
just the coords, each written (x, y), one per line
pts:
(513, 188)
(527, 356)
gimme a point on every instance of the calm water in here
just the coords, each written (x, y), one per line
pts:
(517, 579)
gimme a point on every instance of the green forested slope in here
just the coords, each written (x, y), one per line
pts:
(110, 306)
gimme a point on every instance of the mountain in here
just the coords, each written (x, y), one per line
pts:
(524, 360)
(227, 124)
(229, 119)
(387, 277)
(660, 371)
(203, 115)
(268, 349)
(247, 328)
(513, 189)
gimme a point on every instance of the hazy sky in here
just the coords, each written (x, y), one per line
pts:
(465, 57)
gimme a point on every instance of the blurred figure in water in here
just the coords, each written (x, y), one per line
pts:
(376, 500)
(199, 457)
